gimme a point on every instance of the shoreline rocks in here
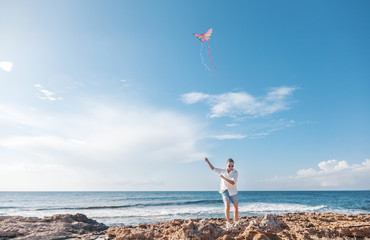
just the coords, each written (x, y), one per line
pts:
(60, 226)
(285, 226)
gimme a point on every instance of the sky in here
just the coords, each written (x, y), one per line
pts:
(121, 96)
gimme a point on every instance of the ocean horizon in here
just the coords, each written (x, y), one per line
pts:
(137, 207)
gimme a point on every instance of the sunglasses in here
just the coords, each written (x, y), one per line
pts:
(230, 165)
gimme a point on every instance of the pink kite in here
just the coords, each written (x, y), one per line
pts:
(205, 37)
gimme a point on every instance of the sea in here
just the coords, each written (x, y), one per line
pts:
(133, 208)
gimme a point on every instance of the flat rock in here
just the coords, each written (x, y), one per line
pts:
(59, 226)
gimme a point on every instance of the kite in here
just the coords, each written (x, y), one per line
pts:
(205, 37)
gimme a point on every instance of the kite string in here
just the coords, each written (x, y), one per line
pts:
(202, 59)
(209, 92)
(210, 59)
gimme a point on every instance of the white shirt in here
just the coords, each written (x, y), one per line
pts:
(232, 175)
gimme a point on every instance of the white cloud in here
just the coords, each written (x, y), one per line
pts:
(194, 97)
(259, 131)
(232, 125)
(306, 172)
(273, 126)
(331, 174)
(236, 104)
(229, 136)
(104, 146)
(12, 115)
(333, 165)
(124, 83)
(36, 176)
(6, 66)
(45, 94)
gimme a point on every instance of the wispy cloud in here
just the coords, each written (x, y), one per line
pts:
(243, 106)
(273, 126)
(124, 83)
(257, 131)
(232, 125)
(235, 104)
(6, 66)
(9, 114)
(229, 136)
(46, 94)
(100, 140)
(194, 97)
(331, 174)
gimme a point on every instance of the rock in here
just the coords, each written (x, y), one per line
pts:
(253, 224)
(286, 226)
(226, 237)
(54, 227)
(271, 223)
(142, 226)
(175, 222)
(206, 233)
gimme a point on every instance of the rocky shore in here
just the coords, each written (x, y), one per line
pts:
(286, 226)
(66, 226)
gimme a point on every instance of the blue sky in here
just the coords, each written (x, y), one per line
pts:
(98, 95)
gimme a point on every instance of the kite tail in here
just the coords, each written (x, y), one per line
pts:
(202, 59)
(210, 59)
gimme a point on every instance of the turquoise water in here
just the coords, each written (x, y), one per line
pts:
(132, 208)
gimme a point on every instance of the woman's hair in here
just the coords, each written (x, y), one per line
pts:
(230, 160)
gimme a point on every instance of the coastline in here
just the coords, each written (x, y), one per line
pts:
(302, 225)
